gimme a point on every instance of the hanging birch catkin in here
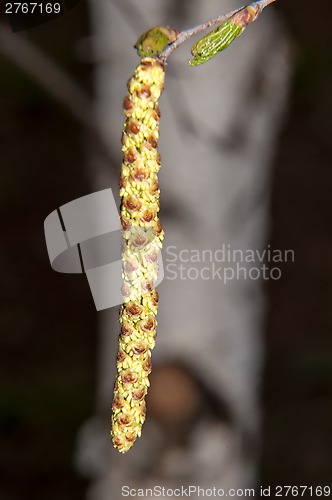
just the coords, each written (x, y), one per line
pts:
(142, 238)
(139, 192)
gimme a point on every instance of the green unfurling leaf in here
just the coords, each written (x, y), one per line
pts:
(214, 42)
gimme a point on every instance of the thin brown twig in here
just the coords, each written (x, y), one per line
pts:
(53, 79)
(185, 35)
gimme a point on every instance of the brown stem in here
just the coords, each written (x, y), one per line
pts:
(185, 35)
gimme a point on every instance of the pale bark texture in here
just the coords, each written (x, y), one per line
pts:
(218, 133)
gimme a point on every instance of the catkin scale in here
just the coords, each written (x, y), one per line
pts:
(142, 240)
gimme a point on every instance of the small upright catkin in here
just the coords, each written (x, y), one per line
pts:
(142, 240)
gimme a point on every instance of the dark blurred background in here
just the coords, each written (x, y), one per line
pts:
(48, 339)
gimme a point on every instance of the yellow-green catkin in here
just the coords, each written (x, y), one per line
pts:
(142, 240)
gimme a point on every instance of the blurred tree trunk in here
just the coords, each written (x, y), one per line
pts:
(219, 127)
